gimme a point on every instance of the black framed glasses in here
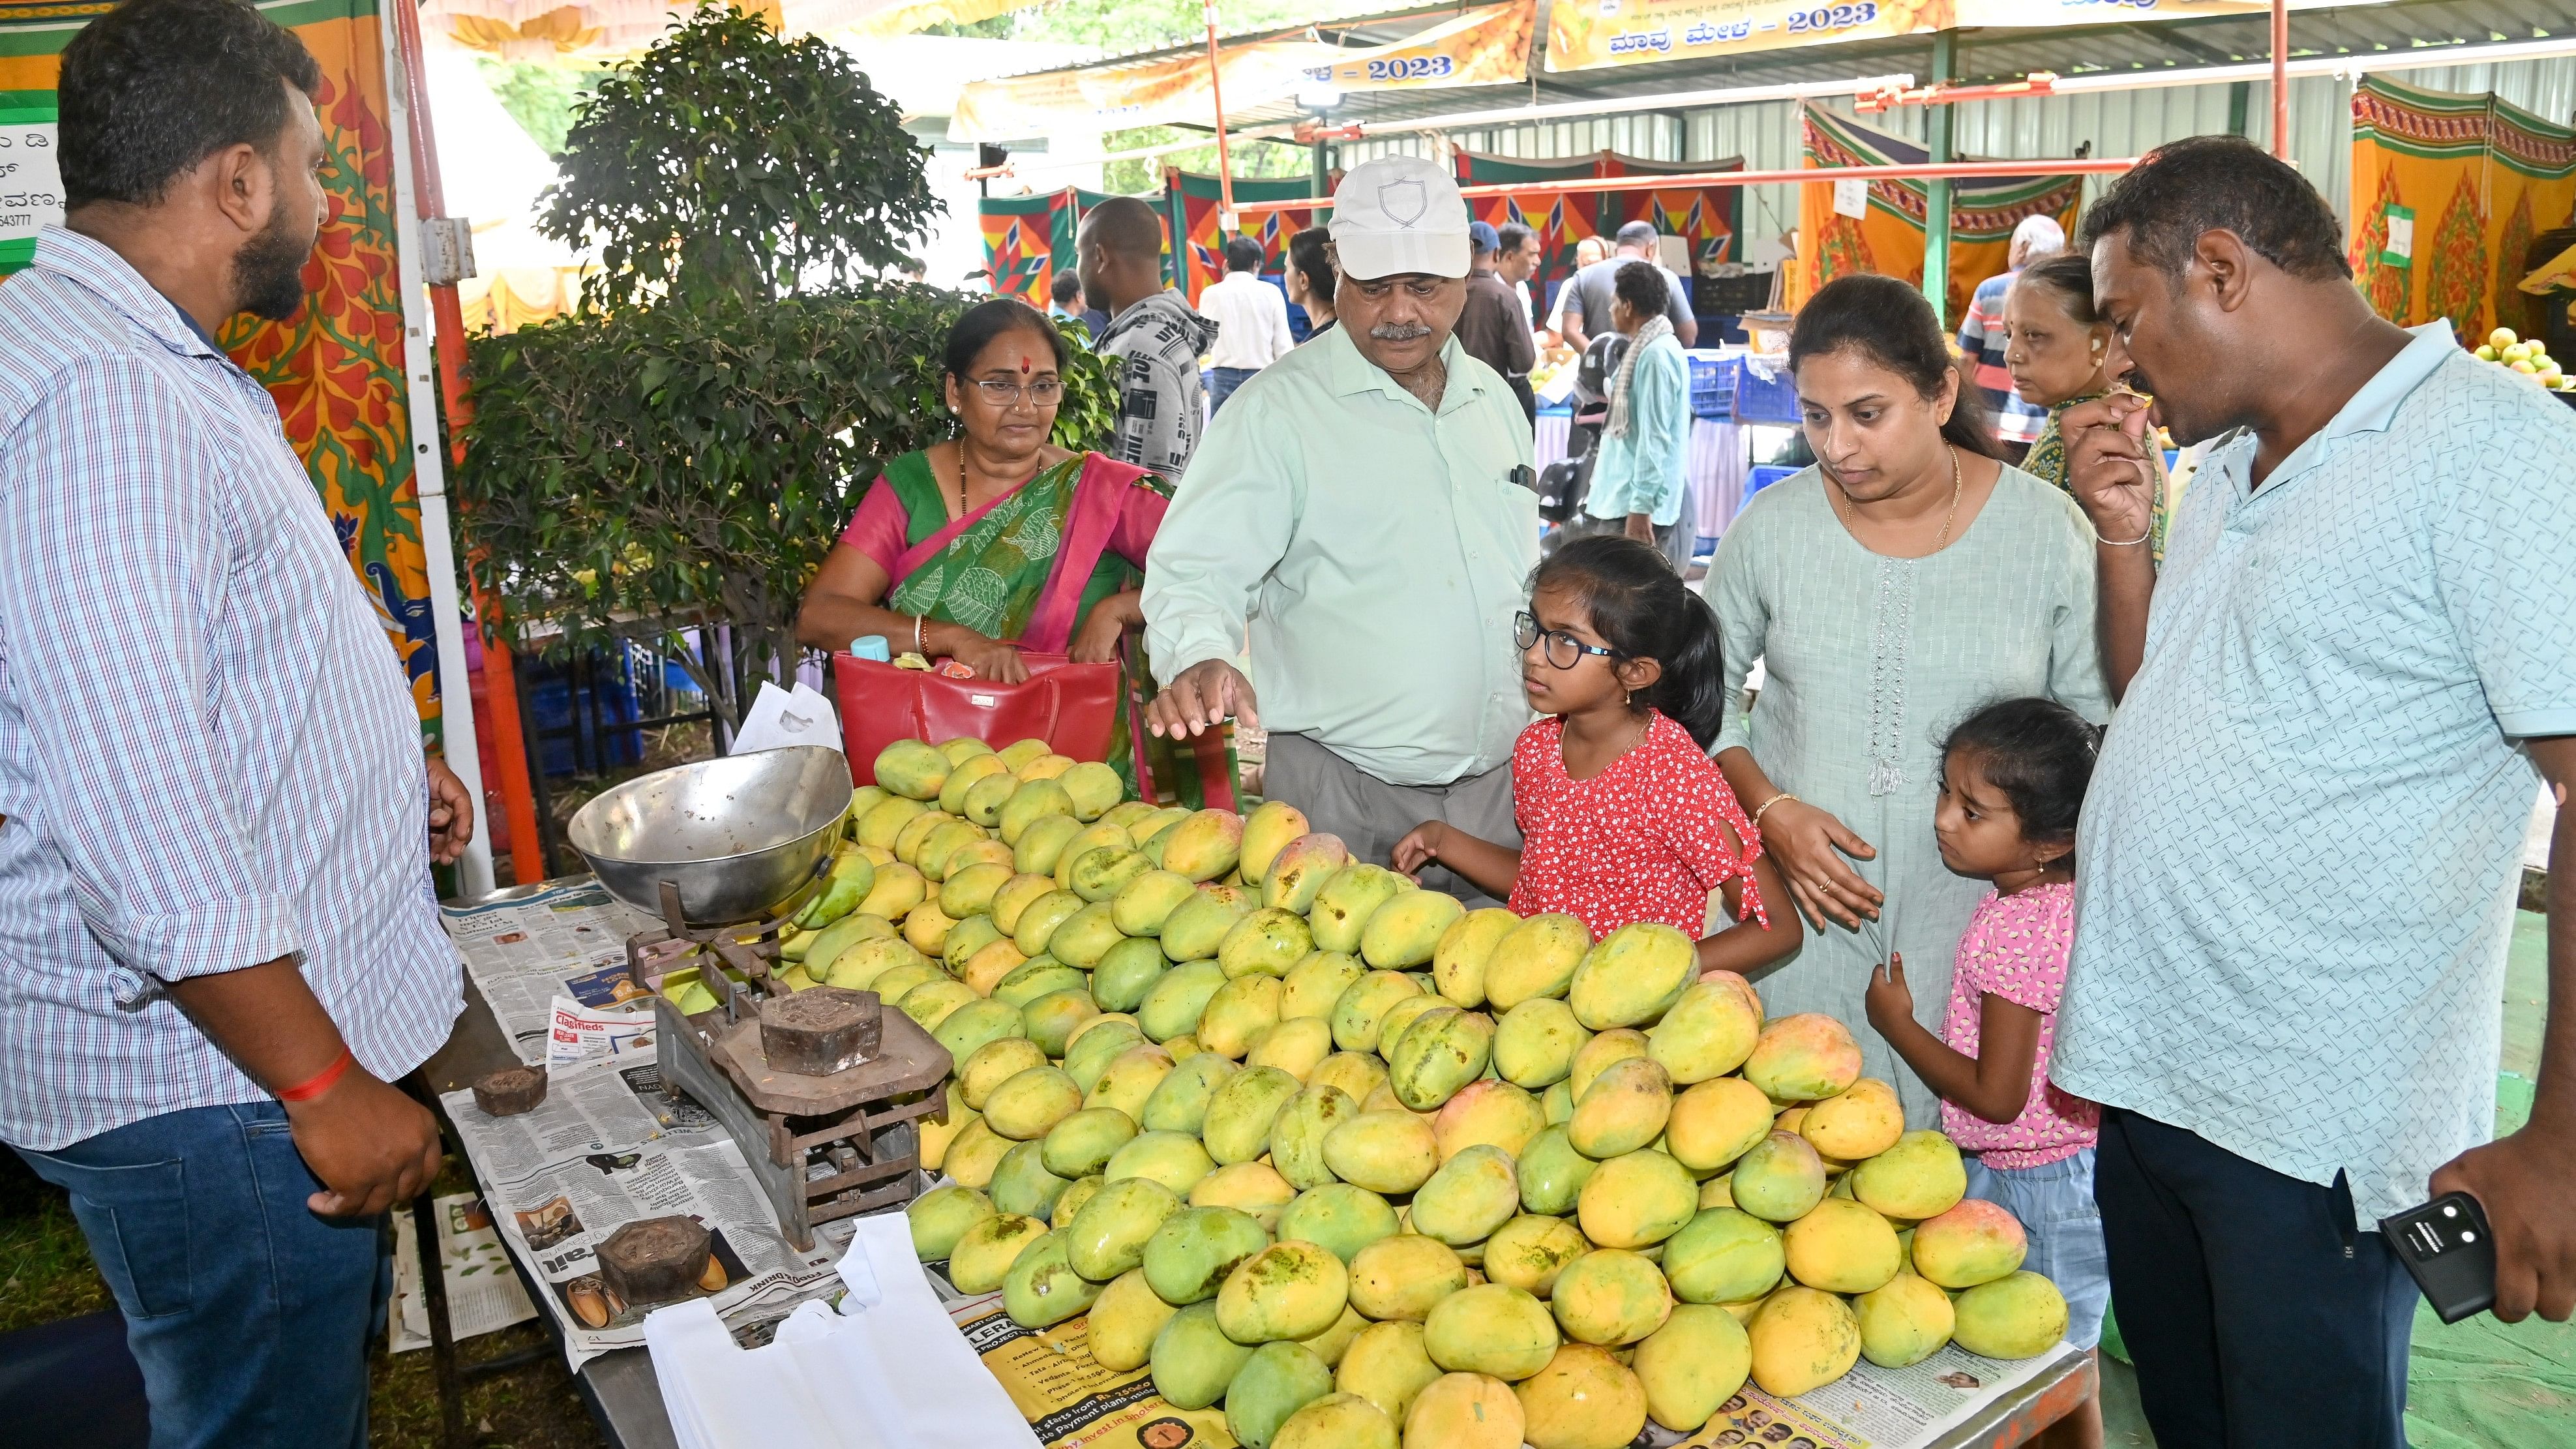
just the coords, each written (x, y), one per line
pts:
(1046, 392)
(1563, 649)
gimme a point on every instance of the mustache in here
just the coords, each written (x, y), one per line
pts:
(1398, 331)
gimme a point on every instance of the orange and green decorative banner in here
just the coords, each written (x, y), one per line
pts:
(1706, 217)
(1561, 219)
(1026, 240)
(1198, 244)
(2448, 192)
(1878, 226)
(335, 369)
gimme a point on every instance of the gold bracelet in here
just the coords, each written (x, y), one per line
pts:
(1756, 821)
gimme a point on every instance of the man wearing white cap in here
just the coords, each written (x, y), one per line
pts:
(1361, 514)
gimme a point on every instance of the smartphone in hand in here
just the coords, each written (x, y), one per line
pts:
(2449, 1252)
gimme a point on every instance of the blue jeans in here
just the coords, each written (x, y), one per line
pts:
(1222, 381)
(2055, 1204)
(249, 1315)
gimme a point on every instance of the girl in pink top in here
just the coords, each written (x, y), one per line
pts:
(2012, 781)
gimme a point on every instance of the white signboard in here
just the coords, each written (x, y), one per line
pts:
(1851, 198)
(31, 181)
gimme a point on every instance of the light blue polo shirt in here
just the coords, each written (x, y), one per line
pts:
(2298, 860)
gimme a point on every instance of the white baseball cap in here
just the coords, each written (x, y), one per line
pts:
(1399, 214)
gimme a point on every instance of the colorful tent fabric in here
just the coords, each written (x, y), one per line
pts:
(2448, 192)
(1197, 244)
(1707, 217)
(1888, 236)
(335, 369)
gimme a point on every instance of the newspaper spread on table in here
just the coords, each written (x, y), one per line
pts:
(607, 1146)
(483, 1294)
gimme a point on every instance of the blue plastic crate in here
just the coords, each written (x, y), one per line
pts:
(1763, 475)
(1771, 400)
(1712, 386)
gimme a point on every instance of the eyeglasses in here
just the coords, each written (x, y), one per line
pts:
(1044, 393)
(1563, 649)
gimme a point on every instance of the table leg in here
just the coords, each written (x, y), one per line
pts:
(442, 1335)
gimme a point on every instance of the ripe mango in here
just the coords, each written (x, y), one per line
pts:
(1780, 1179)
(1458, 958)
(1689, 1367)
(1624, 1109)
(818, 948)
(1716, 1122)
(1240, 1114)
(1266, 832)
(1466, 1411)
(1863, 1120)
(963, 774)
(1021, 1183)
(983, 1255)
(1018, 753)
(931, 1001)
(972, 1155)
(889, 981)
(1535, 1043)
(1095, 1042)
(1142, 905)
(1084, 937)
(1093, 787)
(1636, 1201)
(1804, 1058)
(1288, 1290)
(1468, 1197)
(1442, 1051)
(1842, 1247)
(994, 1063)
(1611, 1296)
(2019, 1315)
(1032, 802)
(1357, 1073)
(998, 964)
(1040, 848)
(1297, 1135)
(1279, 1379)
(941, 844)
(1205, 846)
(982, 801)
(1584, 1399)
(1189, 1256)
(1342, 908)
(1300, 870)
(1198, 926)
(1071, 1201)
(939, 1217)
(1489, 1111)
(1173, 1005)
(1403, 1276)
(1124, 1321)
(899, 888)
(1126, 813)
(1126, 972)
(1016, 895)
(1049, 766)
(911, 769)
(1552, 1173)
(1599, 1054)
(1193, 1360)
(1723, 1255)
(886, 820)
(1238, 1012)
(1252, 1187)
(1025, 1106)
(1920, 1177)
(1180, 1102)
(1104, 870)
(1128, 1082)
(1490, 1329)
(1330, 1344)
(962, 748)
(1536, 959)
(1803, 1339)
(970, 934)
(1407, 930)
(1338, 1216)
(1387, 1367)
(1385, 1152)
(926, 929)
(1051, 1018)
(1176, 1161)
(909, 840)
(1083, 1143)
(1107, 1237)
(1529, 1252)
(975, 1025)
(1974, 1242)
(851, 877)
(866, 798)
(1337, 1421)
(1903, 1321)
(1709, 1031)
(1631, 978)
(1265, 943)
(1362, 1007)
(1295, 1047)
(977, 852)
(1042, 918)
(1400, 1017)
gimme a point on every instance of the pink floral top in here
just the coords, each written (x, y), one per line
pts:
(2016, 948)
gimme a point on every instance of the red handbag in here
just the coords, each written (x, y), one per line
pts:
(1073, 707)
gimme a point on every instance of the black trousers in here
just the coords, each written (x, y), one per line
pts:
(2257, 1314)
(1520, 385)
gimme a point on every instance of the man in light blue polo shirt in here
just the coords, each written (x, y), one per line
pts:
(2299, 858)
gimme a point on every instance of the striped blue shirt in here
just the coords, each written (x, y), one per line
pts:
(209, 757)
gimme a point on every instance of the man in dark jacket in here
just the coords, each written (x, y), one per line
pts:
(1494, 329)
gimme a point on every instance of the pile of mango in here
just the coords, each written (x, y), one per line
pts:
(1369, 1168)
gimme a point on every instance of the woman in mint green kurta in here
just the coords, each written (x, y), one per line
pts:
(1870, 656)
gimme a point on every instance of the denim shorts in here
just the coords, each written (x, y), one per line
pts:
(2055, 1204)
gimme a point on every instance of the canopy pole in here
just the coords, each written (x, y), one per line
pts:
(2281, 79)
(1801, 176)
(1936, 208)
(1226, 223)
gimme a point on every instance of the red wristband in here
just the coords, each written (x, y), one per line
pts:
(320, 1082)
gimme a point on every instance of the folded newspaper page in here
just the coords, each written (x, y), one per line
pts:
(567, 939)
(483, 1292)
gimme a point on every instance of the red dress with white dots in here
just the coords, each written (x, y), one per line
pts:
(1638, 842)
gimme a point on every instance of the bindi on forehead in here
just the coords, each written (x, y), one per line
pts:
(1024, 362)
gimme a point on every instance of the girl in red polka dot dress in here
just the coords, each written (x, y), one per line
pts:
(1623, 816)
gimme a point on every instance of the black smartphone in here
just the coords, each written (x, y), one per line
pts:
(2449, 1251)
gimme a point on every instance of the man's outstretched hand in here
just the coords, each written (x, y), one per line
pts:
(1200, 698)
(2525, 1183)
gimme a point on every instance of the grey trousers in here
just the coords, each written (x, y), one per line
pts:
(1371, 815)
(1676, 540)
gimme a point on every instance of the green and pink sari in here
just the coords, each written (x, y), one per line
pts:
(1030, 566)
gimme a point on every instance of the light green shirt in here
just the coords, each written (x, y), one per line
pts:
(1642, 470)
(1372, 551)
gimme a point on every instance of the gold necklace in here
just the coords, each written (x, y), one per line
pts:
(961, 477)
(1843, 506)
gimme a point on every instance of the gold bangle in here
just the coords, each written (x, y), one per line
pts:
(1756, 821)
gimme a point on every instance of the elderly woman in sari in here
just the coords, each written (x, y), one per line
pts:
(997, 540)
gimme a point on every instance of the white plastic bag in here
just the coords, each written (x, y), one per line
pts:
(780, 717)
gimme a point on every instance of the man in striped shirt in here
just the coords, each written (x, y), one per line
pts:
(1982, 339)
(218, 946)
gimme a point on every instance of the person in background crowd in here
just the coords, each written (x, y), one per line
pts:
(219, 948)
(1251, 318)
(1586, 252)
(1982, 340)
(1493, 328)
(1639, 483)
(1064, 297)
(1152, 333)
(1905, 581)
(2298, 861)
(1589, 295)
(1516, 260)
(2058, 349)
(1310, 279)
(1365, 520)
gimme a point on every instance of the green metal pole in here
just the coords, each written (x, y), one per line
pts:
(1323, 185)
(2240, 100)
(1936, 213)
